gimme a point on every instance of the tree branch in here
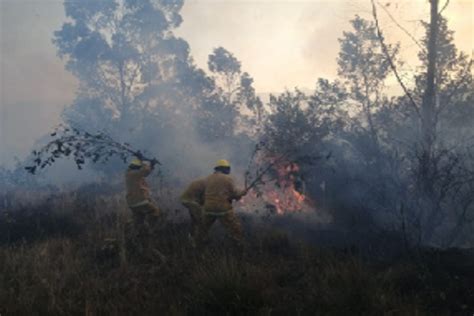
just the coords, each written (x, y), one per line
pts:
(444, 7)
(401, 27)
(392, 65)
(259, 175)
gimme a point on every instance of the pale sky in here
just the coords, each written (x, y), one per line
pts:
(288, 43)
(281, 43)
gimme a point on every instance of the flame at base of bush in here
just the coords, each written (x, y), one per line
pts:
(282, 193)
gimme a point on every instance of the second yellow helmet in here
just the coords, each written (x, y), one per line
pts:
(136, 162)
(222, 163)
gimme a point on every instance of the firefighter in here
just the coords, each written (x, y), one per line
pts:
(146, 214)
(193, 199)
(218, 195)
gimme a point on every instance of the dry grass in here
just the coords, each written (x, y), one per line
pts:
(95, 269)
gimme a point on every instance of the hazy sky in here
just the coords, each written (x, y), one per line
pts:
(281, 43)
(289, 43)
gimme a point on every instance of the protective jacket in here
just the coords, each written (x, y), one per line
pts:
(219, 193)
(195, 192)
(138, 191)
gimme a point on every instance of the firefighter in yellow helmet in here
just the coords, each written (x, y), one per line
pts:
(218, 196)
(193, 199)
(145, 213)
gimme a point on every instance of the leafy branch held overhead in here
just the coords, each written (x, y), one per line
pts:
(82, 146)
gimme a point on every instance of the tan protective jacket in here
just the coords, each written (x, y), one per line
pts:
(138, 190)
(195, 192)
(219, 193)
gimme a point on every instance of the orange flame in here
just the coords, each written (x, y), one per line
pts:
(281, 194)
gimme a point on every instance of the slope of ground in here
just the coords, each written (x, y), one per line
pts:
(90, 263)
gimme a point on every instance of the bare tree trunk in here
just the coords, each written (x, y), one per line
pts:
(427, 113)
(428, 107)
(367, 104)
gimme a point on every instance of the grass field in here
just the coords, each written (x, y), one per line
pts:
(87, 262)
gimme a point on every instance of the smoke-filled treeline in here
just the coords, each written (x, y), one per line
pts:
(362, 151)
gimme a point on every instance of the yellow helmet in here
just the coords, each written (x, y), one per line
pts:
(222, 163)
(136, 162)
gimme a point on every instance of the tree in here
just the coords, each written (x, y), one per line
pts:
(428, 103)
(442, 174)
(118, 50)
(224, 112)
(137, 80)
(364, 69)
(297, 126)
(248, 100)
(445, 172)
(226, 69)
(453, 83)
